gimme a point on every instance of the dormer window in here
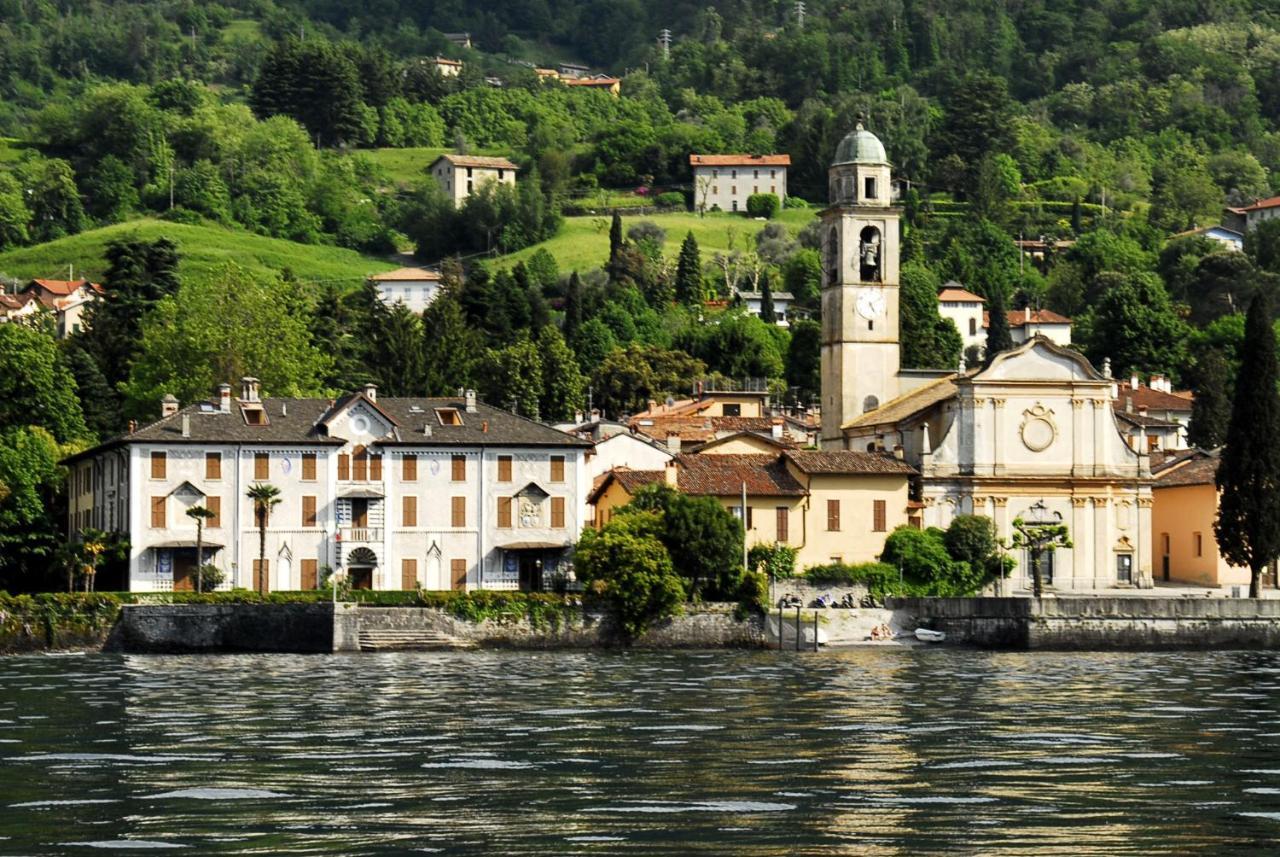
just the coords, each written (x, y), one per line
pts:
(449, 416)
(254, 415)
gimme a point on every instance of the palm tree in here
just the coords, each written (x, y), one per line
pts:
(199, 514)
(93, 543)
(264, 495)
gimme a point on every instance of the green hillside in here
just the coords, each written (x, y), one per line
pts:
(583, 242)
(201, 247)
(408, 166)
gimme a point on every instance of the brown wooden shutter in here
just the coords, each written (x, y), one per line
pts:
(784, 521)
(833, 515)
(261, 465)
(504, 512)
(159, 465)
(157, 512)
(408, 574)
(458, 512)
(360, 459)
(557, 513)
(309, 466)
(344, 467)
(308, 511)
(310, 573)
(458, 571)
(409, 469)
(504, 468)
(459, 468)
(214, 505)
(410, 512)
(878, 515)
(557, 468)
(213, 465)
(375, 468)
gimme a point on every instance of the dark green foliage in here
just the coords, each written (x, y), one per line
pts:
(774, 561)
(1211, 411)
(972, 539)
(689, 273)
(450, 348)
(998, 336)
(763, 205)
(703, 539)
(804, 360)
(880, 578)
(1248, 524)
(36, 387)
(768, 314)
(928, 341)
(1136, 326)
(627, 565)
(923, 559)
(316, 84)
(627, 378)
(572, 308)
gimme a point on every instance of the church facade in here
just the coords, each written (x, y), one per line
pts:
(1032, 434)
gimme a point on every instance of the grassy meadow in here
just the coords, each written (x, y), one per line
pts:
(202, 248)
(583, 242)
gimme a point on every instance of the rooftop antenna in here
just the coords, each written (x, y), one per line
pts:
(664, 39)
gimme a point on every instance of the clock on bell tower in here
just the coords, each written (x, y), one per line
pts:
(860, 229)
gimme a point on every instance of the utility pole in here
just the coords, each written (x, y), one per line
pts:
(800, 14)
(664, 39)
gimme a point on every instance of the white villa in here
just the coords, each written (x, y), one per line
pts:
(966, 311)
(459, 175)
(416, 288)
(726, 181)
(394, 493)
(753, 302)
(66, 299)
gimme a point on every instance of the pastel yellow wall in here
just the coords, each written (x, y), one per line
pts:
(1180, 512)
(742, 445)
(751, 406)
(855, 541)
(606, 504)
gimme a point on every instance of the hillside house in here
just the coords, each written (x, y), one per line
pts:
(602, 82)
(446, 67)
(1245, 217)
(965, 310)
(726, 181)
(459, 175)
(66, 299)
(1184, 507)
(416, 288)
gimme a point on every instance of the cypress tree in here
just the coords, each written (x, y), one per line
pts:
(615, 241)
(1248, 524)
(689, 273)
(1211, 410)
(767, 313)
(998, 336)
(572, 308)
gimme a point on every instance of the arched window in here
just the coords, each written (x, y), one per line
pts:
(869, 255)
(870, 403)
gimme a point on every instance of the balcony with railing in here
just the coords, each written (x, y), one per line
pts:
(360, 535)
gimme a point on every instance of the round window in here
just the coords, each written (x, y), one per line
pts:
(360, 423)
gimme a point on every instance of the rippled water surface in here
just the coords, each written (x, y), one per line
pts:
(743, 753)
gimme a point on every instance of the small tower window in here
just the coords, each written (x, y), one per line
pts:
(869, 187)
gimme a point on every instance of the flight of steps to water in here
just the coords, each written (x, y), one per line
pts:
(391, 639)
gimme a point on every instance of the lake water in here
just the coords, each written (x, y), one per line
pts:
(871, 751)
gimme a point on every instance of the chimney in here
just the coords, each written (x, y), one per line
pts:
(898, 452)
(224, 398)
(1128, 404)
(248, 389)
(371, 392)
(577, 418)
(1133, 381)
(1142, 410)
(653, 405)
(595, 415)
(1026, 314)
(133, 426)
(775, 428)
(471, 401)
(186, 425)
(1115, 389)
(672, 474)
(284, 409)
(673, 443)
(1157, 383)
(484, 427)
(426, 430)
(168, 405)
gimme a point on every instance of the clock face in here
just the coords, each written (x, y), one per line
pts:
(870, 303)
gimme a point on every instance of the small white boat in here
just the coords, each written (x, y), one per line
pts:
(925, 635)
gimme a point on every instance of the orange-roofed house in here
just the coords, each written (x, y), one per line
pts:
(459, 175)
(725, 181)
(416, 288)
(67, 299)
(964, 308)
(1245, 217)
(604, 83)
(1025, 324)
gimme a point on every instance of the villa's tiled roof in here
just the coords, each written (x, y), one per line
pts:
(725, 475)
(907, 405)
(1197, 467)
(409, 274)
(740, 160)
(478, 161)
(843, 462)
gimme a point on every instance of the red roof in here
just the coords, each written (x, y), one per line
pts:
(740, 160)
(956, 294)
(724, 476)
(1258, 204)
(1021, 318)
(63, 288)
(13, 302)
(1143, 396)
(591, 81)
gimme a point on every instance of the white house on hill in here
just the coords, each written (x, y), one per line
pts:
(459, 175)
(727, 181)
(416, 288)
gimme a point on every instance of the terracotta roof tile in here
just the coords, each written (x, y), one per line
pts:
(955, 294)
(1153, 400)
(740, 160)
(724, 476)
(478, 161)
(1198, 467)
(1020, 318)
(907, 405)
(848, 462)
(405, 274)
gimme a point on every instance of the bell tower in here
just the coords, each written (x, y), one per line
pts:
(860, 245)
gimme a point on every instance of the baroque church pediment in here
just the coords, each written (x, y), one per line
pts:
(1039, 360)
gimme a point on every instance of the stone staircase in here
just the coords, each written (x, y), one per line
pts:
(402, 640)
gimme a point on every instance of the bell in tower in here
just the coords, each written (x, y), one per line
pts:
(860, 287)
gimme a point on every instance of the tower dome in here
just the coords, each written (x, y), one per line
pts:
(860, 146)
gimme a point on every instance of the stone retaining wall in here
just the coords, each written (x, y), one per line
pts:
(1098, 623)
(301, 628)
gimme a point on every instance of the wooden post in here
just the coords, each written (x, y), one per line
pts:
(797, 627)
(815, 630)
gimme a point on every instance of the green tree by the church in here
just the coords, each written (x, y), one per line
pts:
(562, 382)
(1136, 326)
(768, 314)
(928, 341)
(689, 273)
(1248, 480)
(1211, 409)
(998, 336)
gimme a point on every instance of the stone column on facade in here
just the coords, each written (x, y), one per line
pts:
(1099, 437)
(997, 430)
(1000, 514)
(1102, 577)
(983, 462)
(1077, 437)
(1143, 575)
(964, 437)
(1081, 573)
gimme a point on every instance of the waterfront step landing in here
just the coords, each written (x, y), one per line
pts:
(389, 639)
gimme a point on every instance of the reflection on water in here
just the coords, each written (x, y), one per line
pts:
(745, 753)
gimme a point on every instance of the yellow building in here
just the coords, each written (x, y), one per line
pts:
(1184, 506)
(829, 506)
